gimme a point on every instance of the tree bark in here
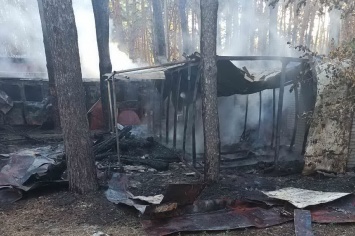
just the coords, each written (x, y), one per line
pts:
(209, 9)
(49, 58)
(63, 43)
(159, 35)
(101, 14)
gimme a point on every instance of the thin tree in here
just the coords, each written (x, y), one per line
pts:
(101, 14)
(184, 27)
(59, 23)
(159, 35)
(52, 93)
(209, 9)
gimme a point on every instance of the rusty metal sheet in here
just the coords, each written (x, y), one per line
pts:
(118, 194)
(176, 195)
(183, 194)
(303, 223)
(215, 216)
(9, 195)
(29, 168)
(340, 211)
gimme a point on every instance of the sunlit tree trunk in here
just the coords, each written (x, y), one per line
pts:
(272, 27)
(159, 35)
(184, 27)
(209, 9)
(304, 25)
(309, 39)
(63, 42)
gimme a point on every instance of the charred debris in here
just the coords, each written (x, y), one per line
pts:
(158, 170)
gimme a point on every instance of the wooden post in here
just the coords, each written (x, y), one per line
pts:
(279, 112)
(167, 119)
(193, 131)
(273, 116)
(260, 109)
(295, 90)
(161, 110)
(115, 119)
(177, 96)
(245, 117)
(187, 106)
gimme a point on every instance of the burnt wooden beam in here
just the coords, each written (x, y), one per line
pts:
(167, 118)
(260, 109)
(112, 115)
(245, 117)
(161, 112)
(193, 132)
(177, 95)
(115, 124)
(279, 113)
(261, 58)
(187, 106)
(273, 116)
(101, 15)
(295, 126)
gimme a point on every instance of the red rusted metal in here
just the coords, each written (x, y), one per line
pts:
(183, 194)
(339, 211)
(96, 118)
(215, 216)
(125, 117)
(128, 117)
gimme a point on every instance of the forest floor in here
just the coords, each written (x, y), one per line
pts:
(56, 211)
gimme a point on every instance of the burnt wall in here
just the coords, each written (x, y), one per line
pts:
(30, 99)
(31, 103)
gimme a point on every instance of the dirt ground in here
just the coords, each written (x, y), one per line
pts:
(55, 211)
(58, 212)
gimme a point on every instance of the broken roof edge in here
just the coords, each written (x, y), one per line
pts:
(261, 58)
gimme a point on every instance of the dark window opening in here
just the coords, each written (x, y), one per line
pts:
(33, 93)
(13, 91)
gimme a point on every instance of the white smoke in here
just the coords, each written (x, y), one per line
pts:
(21, 36)
(85, 23)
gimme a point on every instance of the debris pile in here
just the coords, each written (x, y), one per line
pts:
(30, 168)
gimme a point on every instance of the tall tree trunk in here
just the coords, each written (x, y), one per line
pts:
(309, 39)
(167, 29)
(304, 25)
(229, 28)
(159, 35)
(184, 27)
(296, 20)
(101, 14)
(335, 26)
(209, 9)
(51, 84)
(63, 42)
(273, 27)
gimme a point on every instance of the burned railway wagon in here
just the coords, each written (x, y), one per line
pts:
(175, 107)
